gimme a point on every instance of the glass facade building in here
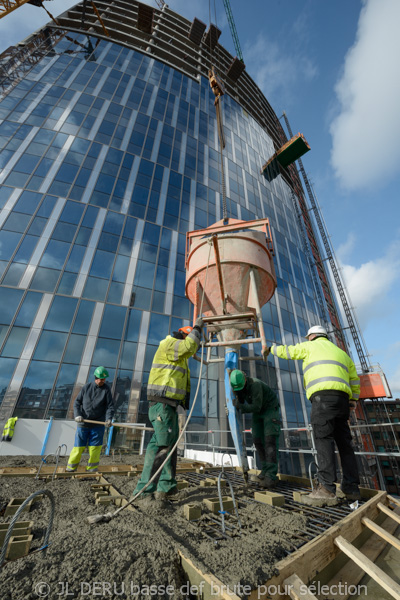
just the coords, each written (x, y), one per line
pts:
(109, 154)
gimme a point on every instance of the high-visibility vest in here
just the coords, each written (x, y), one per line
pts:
(325, 367)
(170, 375)
(8, 430)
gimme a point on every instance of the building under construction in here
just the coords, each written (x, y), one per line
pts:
(138, 159)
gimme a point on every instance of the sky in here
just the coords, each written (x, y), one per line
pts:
(334, 68)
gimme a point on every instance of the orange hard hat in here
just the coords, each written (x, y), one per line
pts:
(186, 330)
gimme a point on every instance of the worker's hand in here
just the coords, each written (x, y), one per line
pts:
(235, 401)
(108, 423)
(352, 404)
(79, 419)
(199, 323)
(265, 352)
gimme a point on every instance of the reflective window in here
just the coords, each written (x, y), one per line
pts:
(133, 325)
(17, 222)
(67, 284)
(55, 254)
(8, 243)
(27, 312)
(61, 314)
(83, 317)
(9, 300)
(35, 393)
(159, 328)
(113, 322)
(15, 342)
(63, 391)
(106, 353)
(14, 274)
(74, 349)
(7, 366)
(95, 289)
(45, 279)
(50, 346)
(102, 264)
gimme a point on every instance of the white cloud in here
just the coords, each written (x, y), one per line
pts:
(277, 73)
(345, 249)
(369, 285)
(394, 383)
(365, 134)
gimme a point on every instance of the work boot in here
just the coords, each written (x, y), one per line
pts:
(351, 494)
(320, 497)
(257, 478)
(166, 495)
(268, 483)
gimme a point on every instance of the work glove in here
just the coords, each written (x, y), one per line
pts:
(79, 419)
(199, 323)
(352, 404)
(226, 410)
(186, 402)
(235, 401)
(265, 352)
(108, 423)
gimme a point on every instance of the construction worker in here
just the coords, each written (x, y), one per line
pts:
(94, 402)
(333, 387)
(167, 389)
(8, 430)
(255, 397)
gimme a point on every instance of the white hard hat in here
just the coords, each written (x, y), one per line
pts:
(316, 330)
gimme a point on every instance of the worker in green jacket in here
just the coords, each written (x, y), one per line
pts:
(8, 430)
(333, 387)
(168, 388)
(255, 397)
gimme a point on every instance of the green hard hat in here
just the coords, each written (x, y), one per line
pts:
(238, 380)
(101, 373)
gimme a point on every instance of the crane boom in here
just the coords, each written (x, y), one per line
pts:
(232, 27)
(8, 6)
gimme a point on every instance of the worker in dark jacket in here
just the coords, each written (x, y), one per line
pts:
(168, 388)
(94, 402)
(255, 397)
(8, 431)
(333, 387)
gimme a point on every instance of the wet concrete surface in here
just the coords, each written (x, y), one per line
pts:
(137, 549)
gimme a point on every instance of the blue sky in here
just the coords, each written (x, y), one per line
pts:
(334, 68)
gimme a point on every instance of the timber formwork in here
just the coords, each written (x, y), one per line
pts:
(338, 544)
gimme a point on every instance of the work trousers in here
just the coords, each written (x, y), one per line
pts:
(92, 437)
(164, 419)
(265, 433)
(329, 420)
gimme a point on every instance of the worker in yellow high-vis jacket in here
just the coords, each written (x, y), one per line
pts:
(333, 387)
(8, 430)
(167, 389)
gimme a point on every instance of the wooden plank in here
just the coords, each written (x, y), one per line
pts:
(395, 501)
(369, 567)
(388, 511)
(351, 573)
(381, 532)
(209, 587)
(297, 589)
(310, 559)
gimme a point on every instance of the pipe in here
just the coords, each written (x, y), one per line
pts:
(258, 308)
(46, 437)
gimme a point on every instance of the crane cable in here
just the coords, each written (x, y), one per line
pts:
(220, 126)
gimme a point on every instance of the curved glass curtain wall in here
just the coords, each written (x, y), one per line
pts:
(108, 157)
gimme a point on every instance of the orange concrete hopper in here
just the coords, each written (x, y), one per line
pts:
(233, 263)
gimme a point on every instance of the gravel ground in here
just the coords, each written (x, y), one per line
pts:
(137, 549)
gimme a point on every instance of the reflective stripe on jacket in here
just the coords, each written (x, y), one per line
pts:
(8, 430)
(325, 367)
(170, 375)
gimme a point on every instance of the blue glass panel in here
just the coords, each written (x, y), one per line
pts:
(64, 232)
(133, 325)
(159, 328)
(67, 283)
(108, 242)
(74, 349)
(144, 275)
(15, 342)
(72, 212)
(17, 222)
(120, 268)
(83, 317)
(36, 390)
(8, 242)
(62, 392)
(27, 312)
(45, 280)
(7, 366)
(61, 314)
(55, 254)
(95, 289)
(28, 202)
(26, 249)
(128, 355)
(9, 301)
(50, 346)
(113, 223)
(102, 264)
(14, 274)
(106, 353)
(115, 292)
(113, 322)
